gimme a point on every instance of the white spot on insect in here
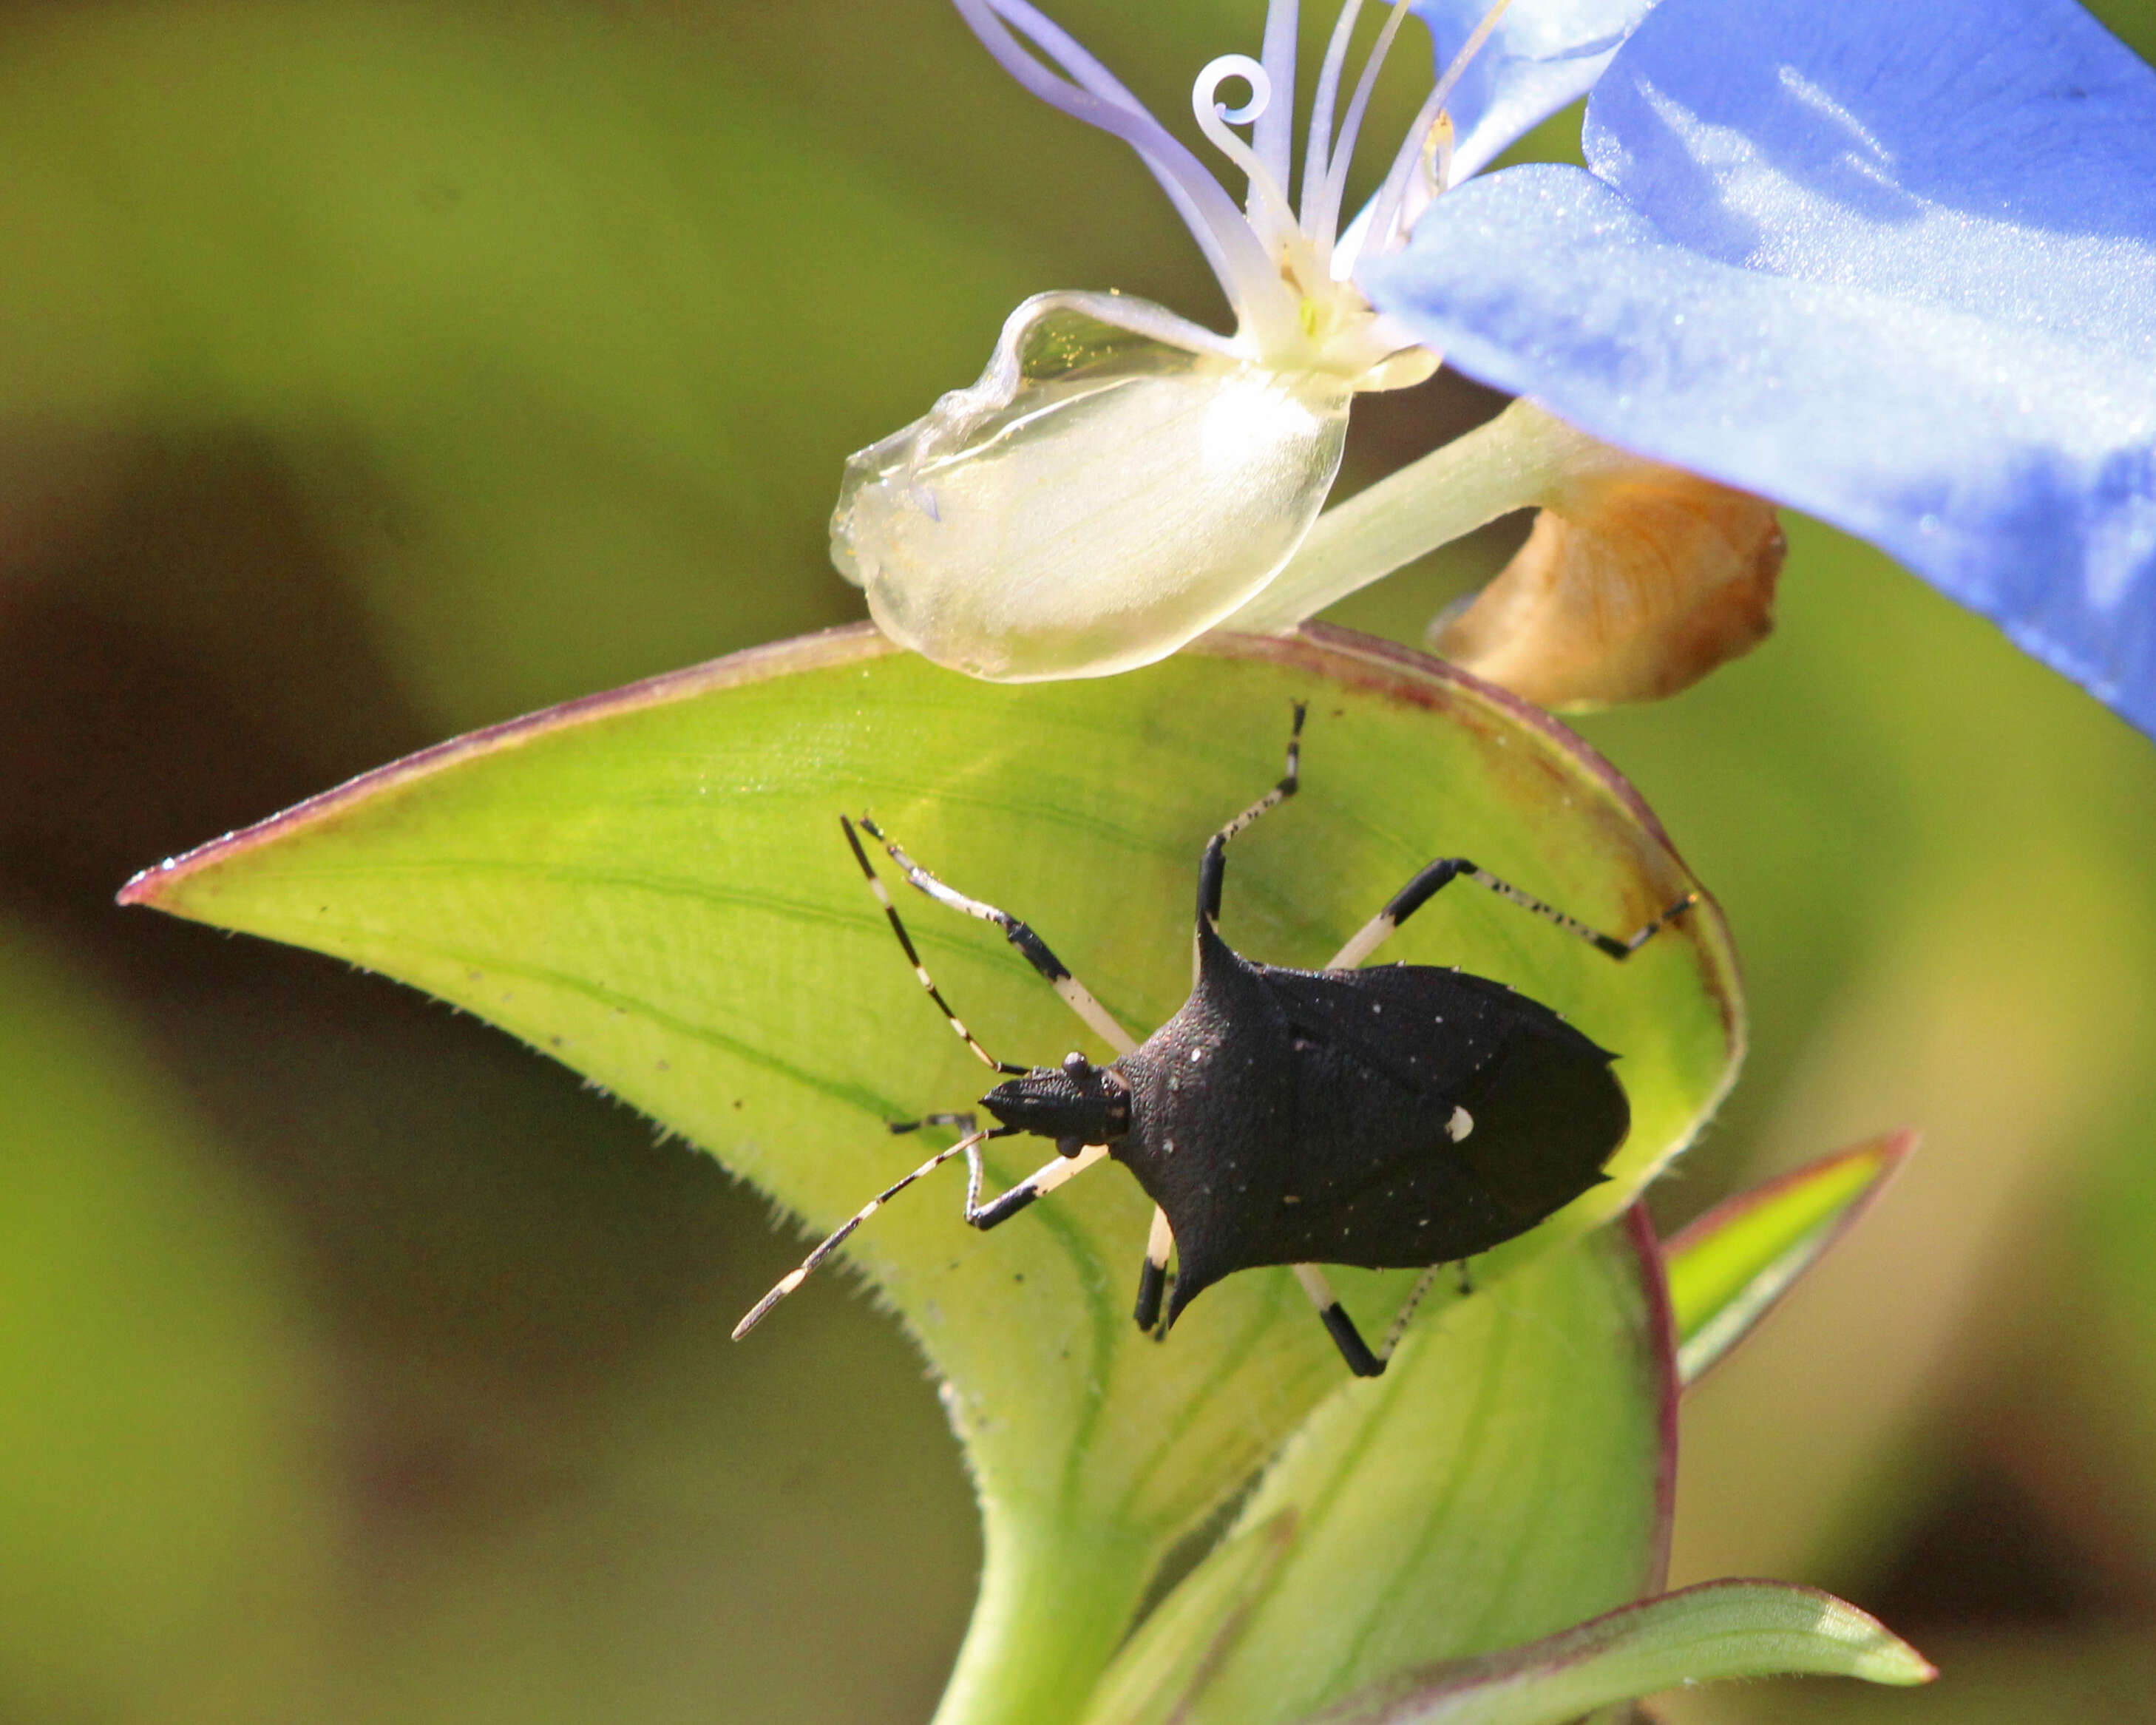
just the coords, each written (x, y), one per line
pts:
(791, 1280)
(1168, 1147)
(1197, 1054)
(1462, 1123)
(1377, 1006)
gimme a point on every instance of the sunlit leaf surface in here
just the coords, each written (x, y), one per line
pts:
(1720, 1630)
(1509, 1475)
(1731, 1267)
(651, 886)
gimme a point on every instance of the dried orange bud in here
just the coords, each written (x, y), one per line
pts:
(1637, 581)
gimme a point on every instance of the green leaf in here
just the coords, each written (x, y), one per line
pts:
(1732, 1267)
(650, 886)
(1510, 1473)
(1718, 1629)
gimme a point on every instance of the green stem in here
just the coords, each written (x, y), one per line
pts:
(1511, 463)
(1056, 1602)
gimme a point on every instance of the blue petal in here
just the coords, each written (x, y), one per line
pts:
(1543, 54)
(1894, 265)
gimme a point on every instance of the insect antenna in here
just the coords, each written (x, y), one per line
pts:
(965, 1122)
(921, 970)
(1074, 994)
(968, 1146)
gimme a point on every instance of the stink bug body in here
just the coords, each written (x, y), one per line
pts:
(1397, 1118)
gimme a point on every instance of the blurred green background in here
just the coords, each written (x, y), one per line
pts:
(370, 371)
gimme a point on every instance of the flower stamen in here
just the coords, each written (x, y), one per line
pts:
(1269, 200)
(1273, 139)
(1088, 91)
(1217, 71)
(1317, 153)
(1324, 221)
(1386, 224)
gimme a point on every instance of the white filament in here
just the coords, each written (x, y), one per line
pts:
(1385, 214)
(1273, 140)
(1090, 92)
(1218, 72)
(1270, 213)
(1317, 153)
(1325, 220)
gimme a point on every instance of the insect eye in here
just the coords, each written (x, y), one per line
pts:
(1076, 1067)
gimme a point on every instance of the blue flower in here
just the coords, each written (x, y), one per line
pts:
(1891, 265)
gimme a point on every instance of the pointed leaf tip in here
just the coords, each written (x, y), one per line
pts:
(1732, 1266)
(1716, 1631)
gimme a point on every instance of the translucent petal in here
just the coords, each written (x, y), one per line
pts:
(1099, 498)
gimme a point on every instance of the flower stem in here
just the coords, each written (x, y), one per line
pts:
(1511, 463)
(1056, 1599)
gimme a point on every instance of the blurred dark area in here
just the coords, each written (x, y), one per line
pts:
(371, 372)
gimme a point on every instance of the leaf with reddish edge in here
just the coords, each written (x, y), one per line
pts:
(1513, 1473)
(1716, 1631)
(1731, 1267)
(649, 884)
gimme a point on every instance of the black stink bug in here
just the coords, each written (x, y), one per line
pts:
(1397, 1117)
